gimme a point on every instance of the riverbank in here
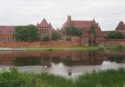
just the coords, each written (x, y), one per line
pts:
(119, 47)
(109, 78)
(65, 48)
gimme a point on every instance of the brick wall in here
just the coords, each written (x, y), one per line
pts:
(40, 44)
(113, 42)
(59, 43)
(105, 42)
(19, 44)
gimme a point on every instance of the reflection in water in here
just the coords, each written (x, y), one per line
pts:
(63, 62)
(27, 61)
(116, 59)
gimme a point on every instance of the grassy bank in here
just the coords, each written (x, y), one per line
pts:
(110, 78)
(118, 47)
(64, 48)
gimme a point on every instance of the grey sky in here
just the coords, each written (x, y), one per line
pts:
(21, 12)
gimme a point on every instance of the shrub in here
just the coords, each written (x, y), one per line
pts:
(46, 38)
(68, 39)
(119, 47)
(56, 36)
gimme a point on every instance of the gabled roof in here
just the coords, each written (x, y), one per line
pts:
(78, 23)
(44, 23)
(6, 29)
(81, 24)
(121, 25)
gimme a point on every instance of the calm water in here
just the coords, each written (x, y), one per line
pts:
(66, 63)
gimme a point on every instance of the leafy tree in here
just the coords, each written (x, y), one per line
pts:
(115, 35)
(73, 31)
(56, 36)
(46, 38)
(91, 31)
(26, 33)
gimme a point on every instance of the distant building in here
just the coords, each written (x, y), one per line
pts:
(121, 27)
(85, 25)
(45, 28)
(6, 32)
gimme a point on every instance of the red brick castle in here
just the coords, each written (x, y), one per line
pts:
(86, 38)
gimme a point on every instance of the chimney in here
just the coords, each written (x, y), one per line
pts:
(69, 18)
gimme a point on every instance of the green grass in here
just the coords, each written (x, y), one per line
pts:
(109, 78)
(64, 48)
(118, 47)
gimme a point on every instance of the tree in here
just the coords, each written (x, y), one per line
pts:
(73, 31)
(91, 31)
(115, 35)
(26, 33)
(46, 38)
(56, 36)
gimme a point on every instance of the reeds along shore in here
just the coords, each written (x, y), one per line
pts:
(109, 78)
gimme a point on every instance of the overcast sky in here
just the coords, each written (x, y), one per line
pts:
(22, 12)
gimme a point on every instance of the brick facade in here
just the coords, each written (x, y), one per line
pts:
(85, 25)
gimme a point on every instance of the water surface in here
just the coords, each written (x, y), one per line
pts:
(66, 63)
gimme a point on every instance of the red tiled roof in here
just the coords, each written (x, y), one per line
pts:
(65, 25)
(6, 29)
(82, 23)
(121, 25)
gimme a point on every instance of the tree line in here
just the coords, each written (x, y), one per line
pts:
(30, 33)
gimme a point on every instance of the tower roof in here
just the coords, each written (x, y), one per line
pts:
(44, 23)
(121, 25)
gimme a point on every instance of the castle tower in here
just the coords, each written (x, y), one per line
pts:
(121, 27)
(69, 21)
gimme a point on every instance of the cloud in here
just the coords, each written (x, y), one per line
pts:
(20, 12)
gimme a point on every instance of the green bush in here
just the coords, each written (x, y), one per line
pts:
(46, 38)
(119, 47)
(72, 31)
(68, 39)
(115, 35)
(56, 36)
